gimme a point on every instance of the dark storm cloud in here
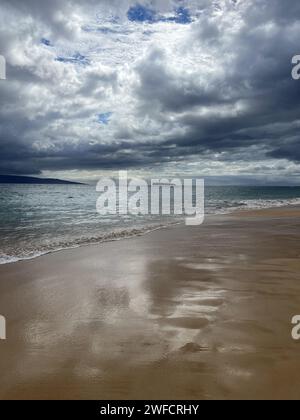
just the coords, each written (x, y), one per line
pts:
(172, 93)
(259, 76)
(213, 81)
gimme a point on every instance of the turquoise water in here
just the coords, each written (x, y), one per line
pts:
(37, 219)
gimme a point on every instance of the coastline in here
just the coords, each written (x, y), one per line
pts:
(187, 313)
(145, 230)
(112, 237)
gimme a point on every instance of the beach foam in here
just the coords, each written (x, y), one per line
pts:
(37, 220)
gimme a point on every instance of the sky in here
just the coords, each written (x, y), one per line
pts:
(171, 87)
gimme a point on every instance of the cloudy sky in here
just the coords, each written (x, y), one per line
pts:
(173, 87)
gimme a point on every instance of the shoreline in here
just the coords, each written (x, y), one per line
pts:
(181, 313)
(93, 243)
(237, 213)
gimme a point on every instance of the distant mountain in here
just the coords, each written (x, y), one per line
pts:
(14, 179)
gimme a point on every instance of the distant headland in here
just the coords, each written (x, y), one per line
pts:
(15, 179)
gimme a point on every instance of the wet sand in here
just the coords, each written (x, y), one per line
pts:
(183, 313)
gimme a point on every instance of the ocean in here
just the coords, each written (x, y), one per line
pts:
(39, 219)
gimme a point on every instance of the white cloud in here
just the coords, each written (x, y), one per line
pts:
(178, 94)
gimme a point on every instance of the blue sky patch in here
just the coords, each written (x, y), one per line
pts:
(183, 16)
(46, 42)
(77, 58)
(104, 118)
(139, 13)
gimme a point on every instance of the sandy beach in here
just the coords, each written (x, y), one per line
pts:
(182, 313)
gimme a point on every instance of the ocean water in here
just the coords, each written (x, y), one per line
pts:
(38, 219)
